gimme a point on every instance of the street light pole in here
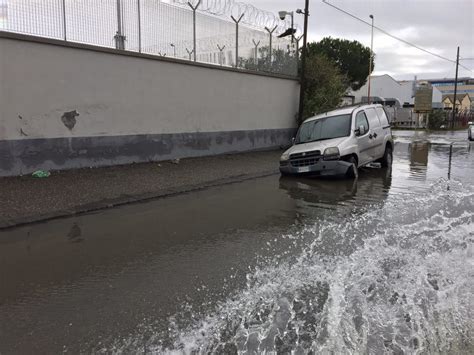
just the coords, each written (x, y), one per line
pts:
(455, 89)
(303, 60)
(371, 57)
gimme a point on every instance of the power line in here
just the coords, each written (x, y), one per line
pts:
(393, 36)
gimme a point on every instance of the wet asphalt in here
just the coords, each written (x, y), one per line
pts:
(125, 278)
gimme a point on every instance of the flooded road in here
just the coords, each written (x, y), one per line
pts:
(380, 264)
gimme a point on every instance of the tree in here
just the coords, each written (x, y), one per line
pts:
(351, 57)
(325, 85)
(283, 62)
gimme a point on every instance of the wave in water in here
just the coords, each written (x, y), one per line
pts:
(396, 279)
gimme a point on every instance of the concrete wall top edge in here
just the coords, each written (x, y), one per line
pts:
(84, 46)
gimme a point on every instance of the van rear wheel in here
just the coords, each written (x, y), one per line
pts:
(387, 158)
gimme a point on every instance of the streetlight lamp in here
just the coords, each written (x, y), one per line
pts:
(174, 49)
(371, 57)
(303, 60)
(282, 15)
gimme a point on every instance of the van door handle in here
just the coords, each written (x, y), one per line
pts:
(370, 136)
(375, 135)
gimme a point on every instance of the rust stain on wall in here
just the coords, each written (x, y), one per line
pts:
(69, 119)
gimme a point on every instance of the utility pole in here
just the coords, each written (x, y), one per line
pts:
(455, 89)
(371, 57)
(303, 61)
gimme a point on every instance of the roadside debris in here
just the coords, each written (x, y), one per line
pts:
(374, 165)
(41, 174)
(175, 161)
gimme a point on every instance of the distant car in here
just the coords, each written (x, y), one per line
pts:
(470, 131)
(339, 142)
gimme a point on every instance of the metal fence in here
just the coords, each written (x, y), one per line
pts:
(220, 32)
(436, 119)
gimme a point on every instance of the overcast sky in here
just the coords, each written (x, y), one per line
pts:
(437, 25)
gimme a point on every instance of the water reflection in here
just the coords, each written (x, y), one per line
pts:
(372, 186)
(419, 159)
(75, 233)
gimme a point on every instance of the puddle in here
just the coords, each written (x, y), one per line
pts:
(378, 265)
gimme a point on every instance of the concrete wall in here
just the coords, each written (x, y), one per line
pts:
(71, 105)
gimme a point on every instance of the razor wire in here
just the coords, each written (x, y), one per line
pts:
(158, 27)
(252, 16)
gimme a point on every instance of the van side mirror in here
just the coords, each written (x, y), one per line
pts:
(293, 140)
(359, 131)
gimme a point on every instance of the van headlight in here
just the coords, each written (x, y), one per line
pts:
(331, 153)
(285, 157)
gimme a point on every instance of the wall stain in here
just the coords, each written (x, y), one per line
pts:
(69, 119)
(20, 155)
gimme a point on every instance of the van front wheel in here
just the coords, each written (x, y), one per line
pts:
(352, 172)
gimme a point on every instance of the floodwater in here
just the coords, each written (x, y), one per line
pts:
(383, 264)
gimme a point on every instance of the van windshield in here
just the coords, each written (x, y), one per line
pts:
(324, 128)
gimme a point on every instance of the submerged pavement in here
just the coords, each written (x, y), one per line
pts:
(380, 264)
(27, 199)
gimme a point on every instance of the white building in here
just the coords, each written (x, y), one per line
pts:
(385, 87)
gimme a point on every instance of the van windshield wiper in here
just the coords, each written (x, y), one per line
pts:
(315, 140)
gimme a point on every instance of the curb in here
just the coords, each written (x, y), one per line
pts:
(126, 200)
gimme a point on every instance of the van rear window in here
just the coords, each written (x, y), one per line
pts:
(382, 116)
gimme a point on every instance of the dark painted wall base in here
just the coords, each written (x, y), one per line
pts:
(23, 156)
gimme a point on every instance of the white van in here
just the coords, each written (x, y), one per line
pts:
(340, 141)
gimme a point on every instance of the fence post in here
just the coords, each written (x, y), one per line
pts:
(64, 19)
(298, 47)
(119, 37)
(194, 8)
(191, 52)
(139, 26)
(220, 53)
(237, 38)
(256, 51)
(270, 32)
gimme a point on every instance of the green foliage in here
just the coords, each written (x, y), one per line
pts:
(325, 85)
(351, 57)
(283, 62)
(437, 118)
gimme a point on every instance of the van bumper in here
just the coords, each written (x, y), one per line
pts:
(321, 168)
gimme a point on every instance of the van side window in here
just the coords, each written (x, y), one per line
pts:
(372, 117)
(361, 120)
(382, 116)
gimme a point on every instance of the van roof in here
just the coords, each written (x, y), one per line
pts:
(342, 111)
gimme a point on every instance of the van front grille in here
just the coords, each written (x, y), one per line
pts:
(305, 158)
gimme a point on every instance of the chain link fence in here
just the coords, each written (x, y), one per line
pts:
(203, 31)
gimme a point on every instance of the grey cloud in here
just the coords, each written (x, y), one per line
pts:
(440, 25)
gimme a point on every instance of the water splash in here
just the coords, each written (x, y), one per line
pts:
(396, 279)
